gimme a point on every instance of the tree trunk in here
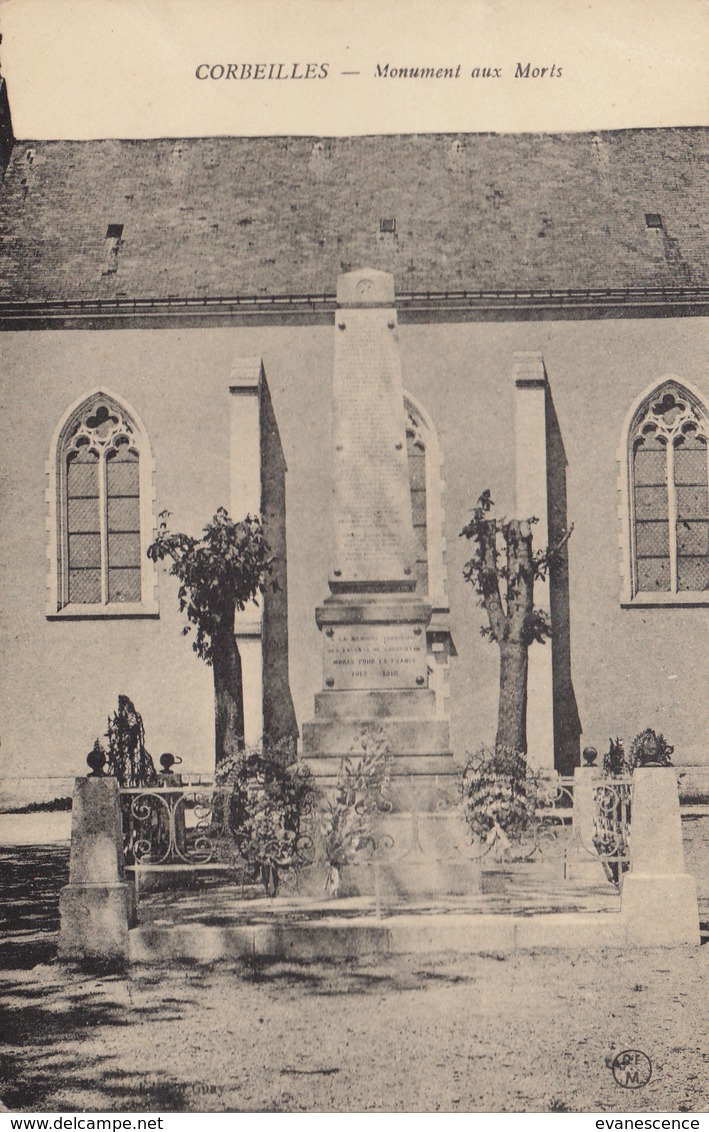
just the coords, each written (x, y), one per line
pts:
(514, 645)
(512, 711)
(228, 694)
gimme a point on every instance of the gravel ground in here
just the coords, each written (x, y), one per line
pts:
(525, 1032)
(530, 1032)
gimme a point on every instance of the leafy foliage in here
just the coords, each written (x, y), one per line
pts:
(615, 762)
(56, 805)
(649, 749)
(503, 571)
(499, 795)
(271, 796)
(361, 792)
(501, 575)
(222, 571)
(127, 758)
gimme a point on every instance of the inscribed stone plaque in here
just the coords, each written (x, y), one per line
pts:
(359, 657)
(373, 526)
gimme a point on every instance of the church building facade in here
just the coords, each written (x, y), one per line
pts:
(170, 313)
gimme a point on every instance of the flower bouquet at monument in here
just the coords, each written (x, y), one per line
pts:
(499, 797)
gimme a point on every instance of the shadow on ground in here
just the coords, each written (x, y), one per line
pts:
(30, 880)
(466, 1033)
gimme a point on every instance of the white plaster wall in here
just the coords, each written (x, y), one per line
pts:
(632, 668)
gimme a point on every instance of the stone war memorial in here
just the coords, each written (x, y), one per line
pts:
(539, 859)
(354, 559)
(304, 367)
(374, 620)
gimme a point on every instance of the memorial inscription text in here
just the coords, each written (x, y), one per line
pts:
(366, 657)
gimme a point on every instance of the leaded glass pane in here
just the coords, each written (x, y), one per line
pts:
(417, 483)
(691, 464)
(123, 550)
(651, 503)
(692, 503)
(693, 537)
(651, 466)
(83, 515)
(84, 587)
(124, 513)
(420, 541)
(418, 508)
(693, 573)
(122, 476)
(652, 539)
(690, 457)
(124, 584)
(82, 476)
(417, 466)
(653, 575)
(84, 550)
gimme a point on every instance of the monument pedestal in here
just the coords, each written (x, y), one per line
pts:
(97, 906)
(658, 897)
(373, 622)
(94, 922)
(375, 676)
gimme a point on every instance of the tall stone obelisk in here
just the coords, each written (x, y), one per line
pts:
(375, 673)
(373, 621)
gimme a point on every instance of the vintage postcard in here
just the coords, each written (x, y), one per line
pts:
(355, 558)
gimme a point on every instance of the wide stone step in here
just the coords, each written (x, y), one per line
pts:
(419, 703)
(329, 767)
(410, 736)
(462, 931)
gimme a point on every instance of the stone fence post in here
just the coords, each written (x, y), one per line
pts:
(659, 897)
(583, 862)
(97, 906)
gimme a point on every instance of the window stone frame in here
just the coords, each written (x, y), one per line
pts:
(57, 609)
(630, 596)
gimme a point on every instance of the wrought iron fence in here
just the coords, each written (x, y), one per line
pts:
(170, 825)
(611, 825)
(192, 827)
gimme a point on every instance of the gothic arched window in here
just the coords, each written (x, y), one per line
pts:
(101, 512)
(667, 483)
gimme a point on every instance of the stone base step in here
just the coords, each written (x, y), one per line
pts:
(328, 767)
(409, 736)
(419, 703)
(367, 934)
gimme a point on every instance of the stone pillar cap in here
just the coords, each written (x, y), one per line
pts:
(246, 373)
(365, 288)
(529, 368)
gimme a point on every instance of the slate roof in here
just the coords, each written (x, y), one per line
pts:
(284, 216)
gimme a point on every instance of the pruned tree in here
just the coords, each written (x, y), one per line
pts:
(503, 571)
(220, 572)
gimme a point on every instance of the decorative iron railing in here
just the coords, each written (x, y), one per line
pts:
(171, 825)
(517, 820)
(191, 827)
(611, 825)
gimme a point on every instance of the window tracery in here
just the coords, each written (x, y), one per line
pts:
(102, 510)
(668, 490)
